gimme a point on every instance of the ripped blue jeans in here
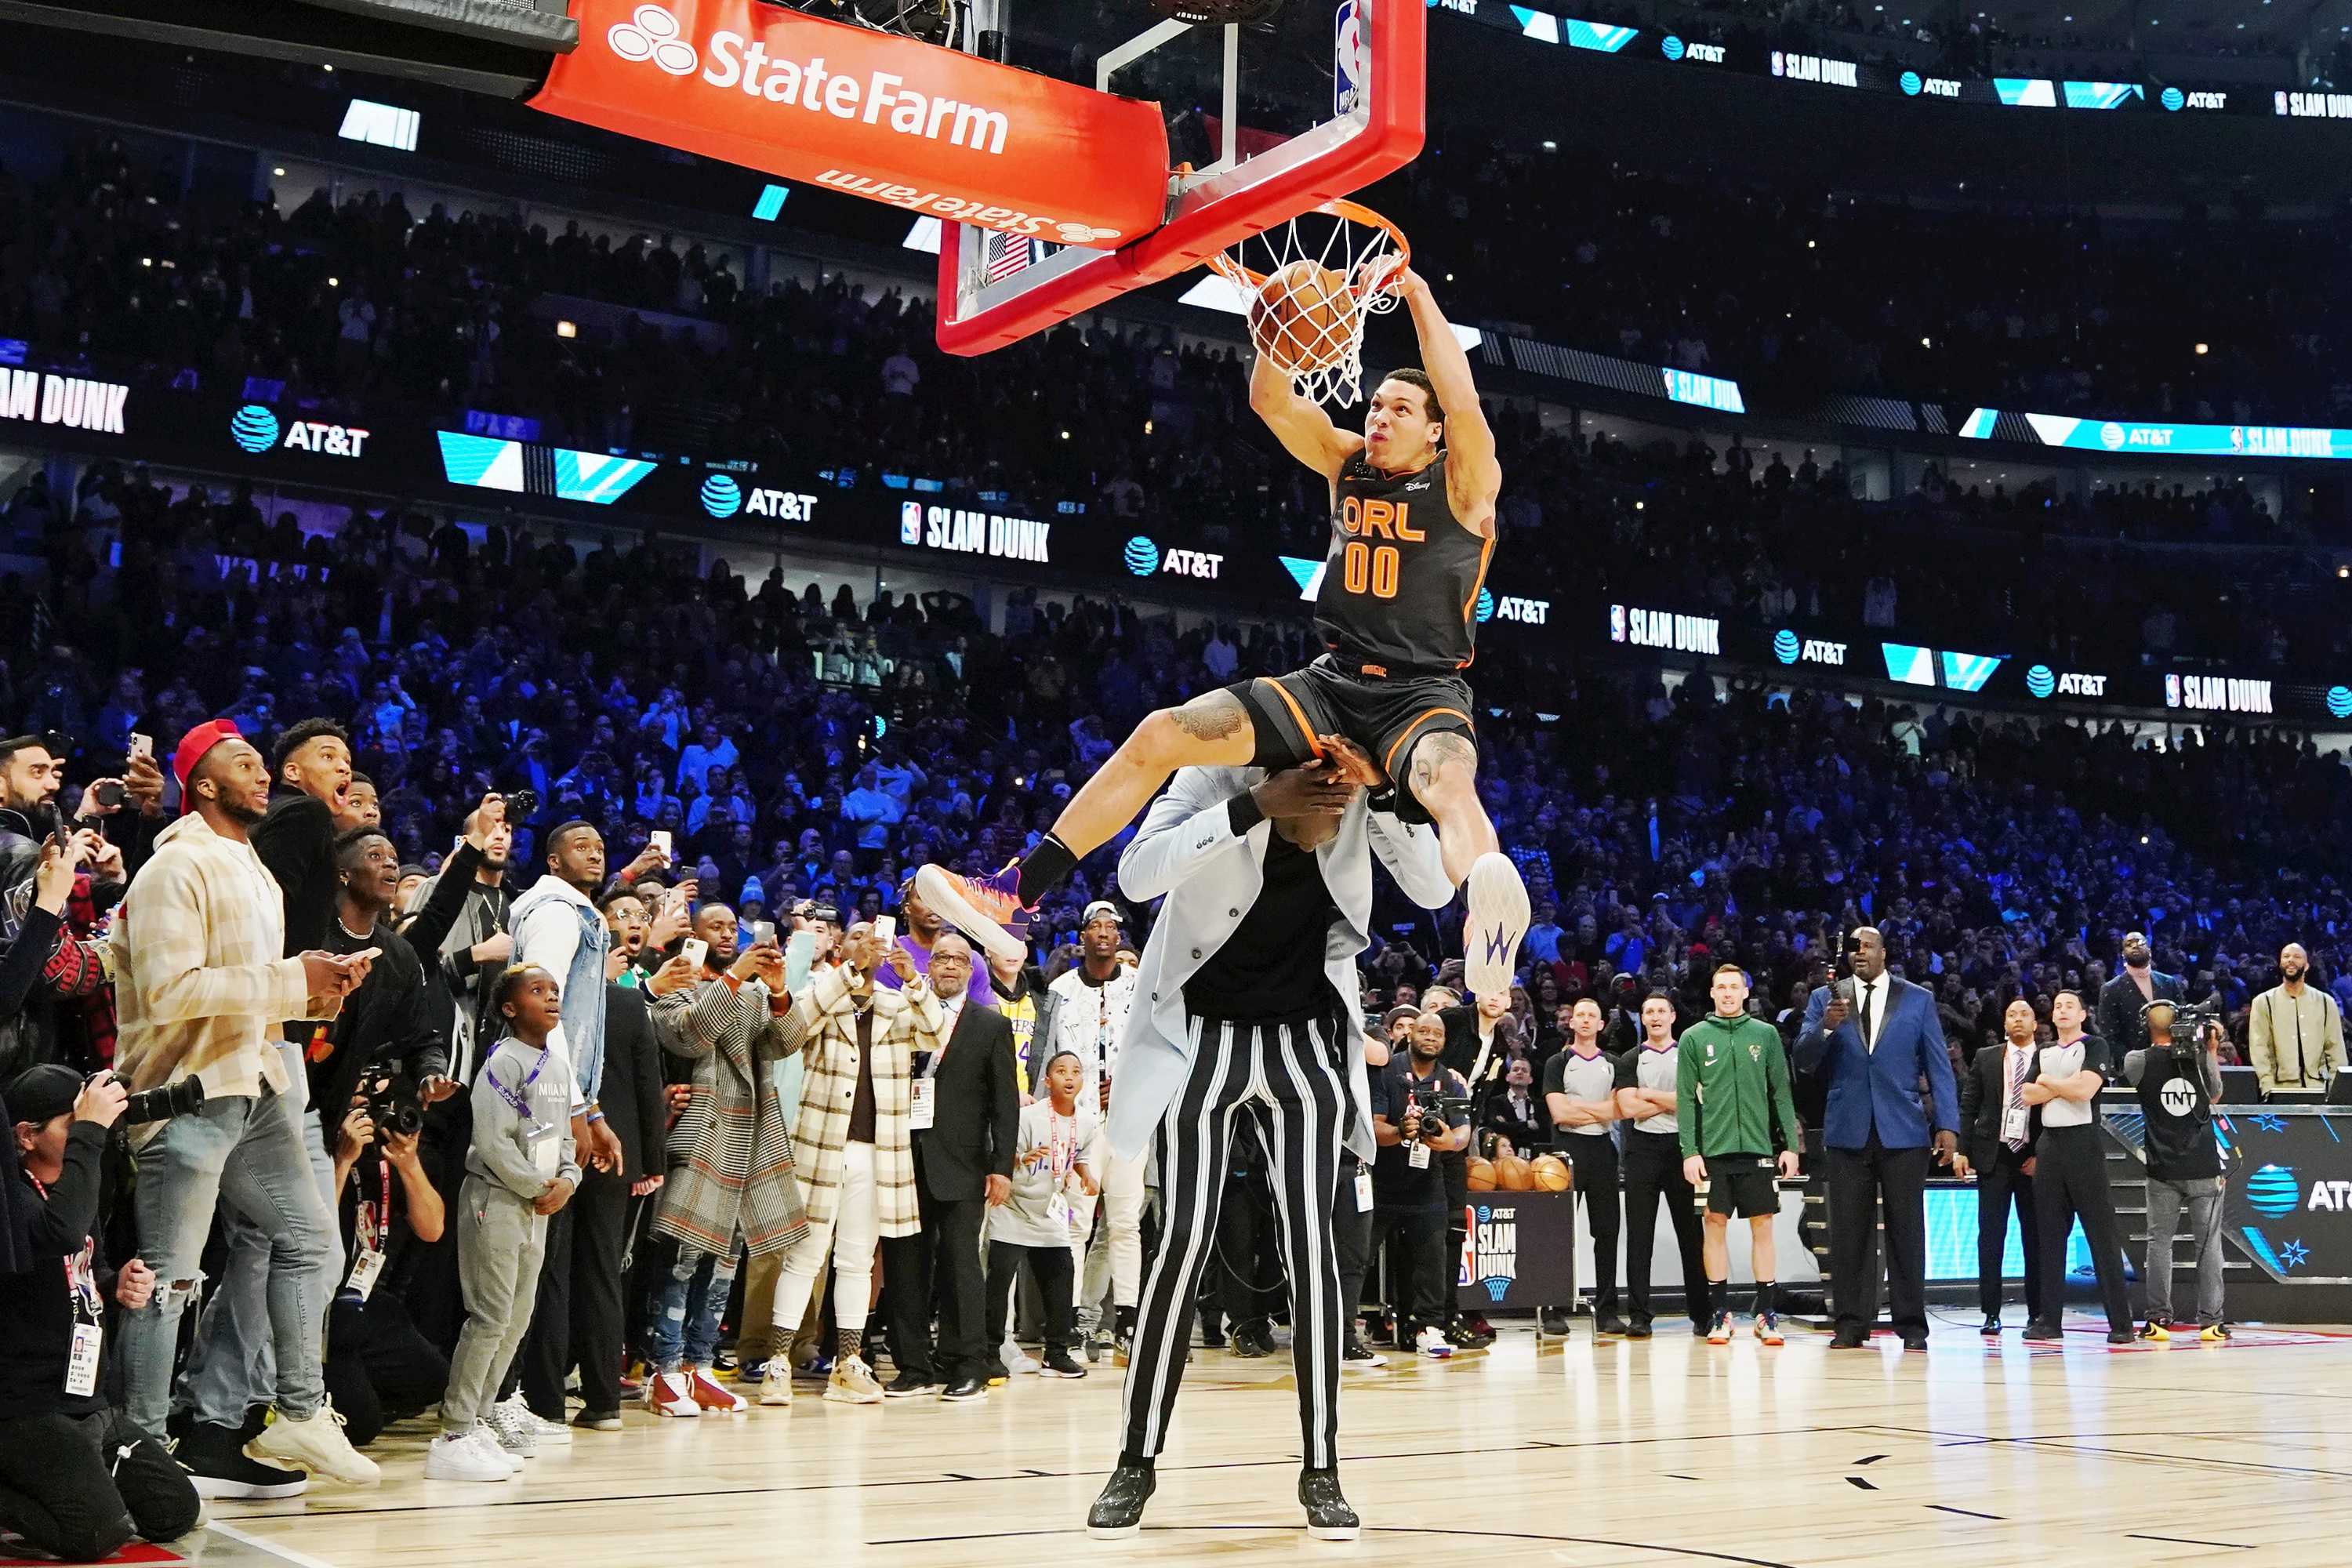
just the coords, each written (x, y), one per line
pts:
(686, 1306)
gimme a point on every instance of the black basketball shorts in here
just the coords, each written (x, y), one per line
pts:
(1387, 715)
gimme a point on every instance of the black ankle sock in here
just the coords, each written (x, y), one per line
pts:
(1718, 1291)
(1764, 1289)
(1137, 1461)
(1045, 869)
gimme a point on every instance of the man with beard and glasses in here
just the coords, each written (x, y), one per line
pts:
(203, 990)
(2295, 1035)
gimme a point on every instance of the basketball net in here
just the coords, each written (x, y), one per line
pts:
(1313, 282)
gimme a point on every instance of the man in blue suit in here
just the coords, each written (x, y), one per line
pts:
(1877, 1041)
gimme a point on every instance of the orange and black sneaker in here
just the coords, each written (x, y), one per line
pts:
(986, 909)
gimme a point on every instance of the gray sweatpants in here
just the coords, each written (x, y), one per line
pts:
(500, 1245)
(2202, 1197)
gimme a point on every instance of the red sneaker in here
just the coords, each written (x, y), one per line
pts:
(708, 1394)
(986, 909)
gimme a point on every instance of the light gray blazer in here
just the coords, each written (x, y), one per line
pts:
(1186, 852)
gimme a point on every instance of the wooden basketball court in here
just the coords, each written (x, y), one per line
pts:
(1668, 1452)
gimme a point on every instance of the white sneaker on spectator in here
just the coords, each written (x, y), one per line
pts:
(318, 1445)
(714, 1396)
(853, 1382)
(512, 1425)
(668, 1393)
(776, 1386)
(1432, 1342)
(1015, 1359)
(457, 1456)
(551, 1434)
(487, 1442)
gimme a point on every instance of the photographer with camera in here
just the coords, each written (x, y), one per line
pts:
(1409, 1127)
(380, 1369)
(2295, 1033)
(203, 990)
(2178, 1083)
(78, 1480)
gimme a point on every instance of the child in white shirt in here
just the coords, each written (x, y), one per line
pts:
(1049, 1165)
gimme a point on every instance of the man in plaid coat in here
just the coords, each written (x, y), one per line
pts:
(731, 1178)
(855, 1158)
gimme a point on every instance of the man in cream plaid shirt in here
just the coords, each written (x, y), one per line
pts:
(851, 1147)
(202, 990)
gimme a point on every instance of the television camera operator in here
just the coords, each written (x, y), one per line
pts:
(2177, 1083)
(78, 1480)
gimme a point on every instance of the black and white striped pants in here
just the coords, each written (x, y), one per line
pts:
(1288, 1079)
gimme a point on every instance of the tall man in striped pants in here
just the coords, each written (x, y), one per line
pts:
(1245, 1005)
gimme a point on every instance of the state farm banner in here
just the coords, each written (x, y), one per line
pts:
(873, 114)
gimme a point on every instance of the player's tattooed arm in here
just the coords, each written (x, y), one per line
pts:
(1215, 716)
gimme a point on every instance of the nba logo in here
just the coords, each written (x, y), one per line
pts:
(910, 522)
(1350, 60)
(2172, 691)
(1616, 623)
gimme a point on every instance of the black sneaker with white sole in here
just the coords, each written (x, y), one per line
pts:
(1060, 1363)
(1119, 1509)
(217, 1467)
(1329, 1517)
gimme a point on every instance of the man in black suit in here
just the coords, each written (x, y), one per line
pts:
(2121, 999)
(966, 1116)
(1998, 1124)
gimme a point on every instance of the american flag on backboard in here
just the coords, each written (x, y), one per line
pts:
(1006, 254)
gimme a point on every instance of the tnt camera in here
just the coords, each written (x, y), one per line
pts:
(2185, 1024)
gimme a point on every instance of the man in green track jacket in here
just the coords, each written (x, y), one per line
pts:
(1732, 1083)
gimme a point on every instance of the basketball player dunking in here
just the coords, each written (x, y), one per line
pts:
(1412, 530)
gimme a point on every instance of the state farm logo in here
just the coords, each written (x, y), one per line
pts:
(653, 36)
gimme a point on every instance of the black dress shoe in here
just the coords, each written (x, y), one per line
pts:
(1846, 1340)
(1991, 1326)
(910, 1386)
(1329, 1517)
(1118, 1511)
(2119, 1336)
(1638, 1329)
(962, 1388)
(2043, 1332)
(1610, 1323)
(1914, 1339)
(1552, 1321)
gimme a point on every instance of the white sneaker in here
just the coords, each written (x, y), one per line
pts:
(512, 1425)
(551, 1434)
(1016, 1360)
(485, 1439)
(1432, 1342)
(1496, 925)
(853, 1382)
(317, 1446)
(776, 1387)
(455, 1457)
(668, 1393)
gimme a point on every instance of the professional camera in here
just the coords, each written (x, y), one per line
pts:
(161, 1104)
(2191, 1021)
(392, 1103)
(1432, 1124)
(520, 804)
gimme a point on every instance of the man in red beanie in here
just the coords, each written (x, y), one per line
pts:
(202, 988)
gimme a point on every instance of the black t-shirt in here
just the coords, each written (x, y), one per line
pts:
(1271, 968)
(1396, 1184)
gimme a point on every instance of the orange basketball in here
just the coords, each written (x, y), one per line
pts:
(1550, 1173)
(1300, 319)
(1512, 1175)
(1482, 1175)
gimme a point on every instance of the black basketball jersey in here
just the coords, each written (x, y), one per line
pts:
(1401, 584)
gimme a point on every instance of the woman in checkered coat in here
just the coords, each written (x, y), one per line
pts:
(730, 1180)
(854, 1160)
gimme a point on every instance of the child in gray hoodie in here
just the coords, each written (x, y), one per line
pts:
(520, 1169)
